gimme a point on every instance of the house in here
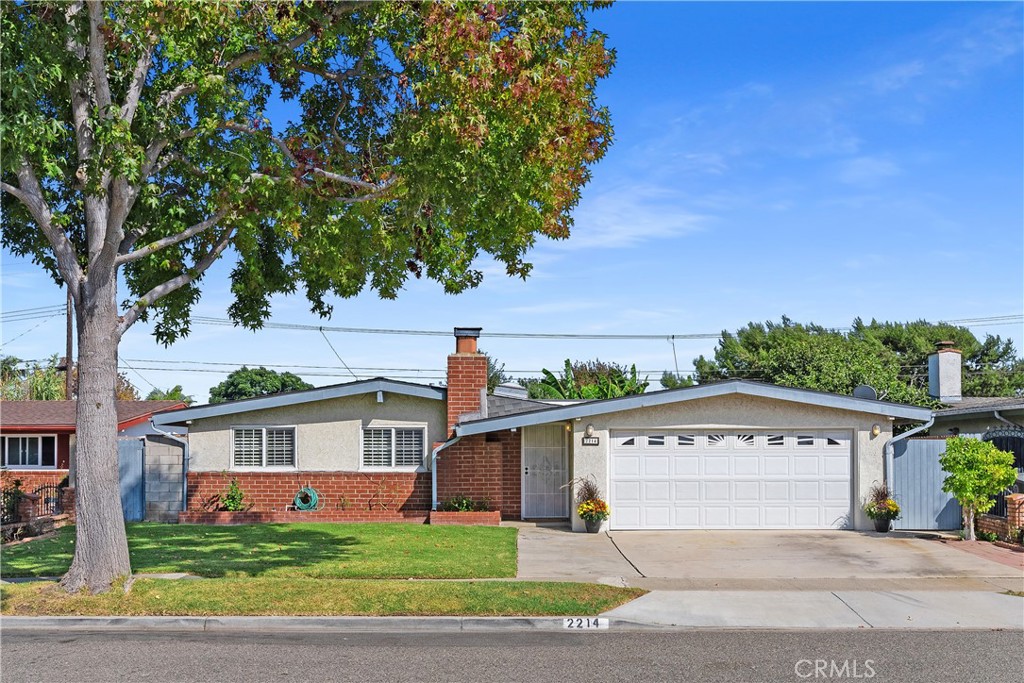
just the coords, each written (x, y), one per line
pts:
(37, 439)
(735, 454)
(998, 419)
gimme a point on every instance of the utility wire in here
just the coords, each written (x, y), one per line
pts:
(338, 355)
(9, 341)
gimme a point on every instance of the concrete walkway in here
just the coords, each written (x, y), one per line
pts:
(825, 609)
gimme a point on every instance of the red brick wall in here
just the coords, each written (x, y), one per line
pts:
(344, 496)
(63, 451)
(1002, 526)
(31, 479)
(483, 470)
(467, 375)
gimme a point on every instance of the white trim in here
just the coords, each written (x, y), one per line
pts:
(33, 468)
(263, 451)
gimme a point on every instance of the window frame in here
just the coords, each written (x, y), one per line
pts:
(421, 467)
(263, 450)
(39, 436)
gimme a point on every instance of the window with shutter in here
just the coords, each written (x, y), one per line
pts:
(385, 447)
(263, 447)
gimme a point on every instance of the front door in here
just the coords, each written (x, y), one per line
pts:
(545, 472)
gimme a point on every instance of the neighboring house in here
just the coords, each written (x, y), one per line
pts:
(998, 419)
(37, 439)
(735, 454)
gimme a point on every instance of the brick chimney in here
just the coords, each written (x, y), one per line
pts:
(467, 377)
(944, 368)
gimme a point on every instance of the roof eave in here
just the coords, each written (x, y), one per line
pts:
(792, 395)
(180, 417)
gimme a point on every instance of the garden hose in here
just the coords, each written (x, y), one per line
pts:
(307, 499)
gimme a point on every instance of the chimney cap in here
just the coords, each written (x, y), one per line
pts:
(945, 347)
(473, 332)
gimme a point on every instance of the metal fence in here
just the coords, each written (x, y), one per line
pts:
(49, 502)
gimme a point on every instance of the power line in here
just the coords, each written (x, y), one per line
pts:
(9, 341)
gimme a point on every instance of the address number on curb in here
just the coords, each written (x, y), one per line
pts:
(585, 624)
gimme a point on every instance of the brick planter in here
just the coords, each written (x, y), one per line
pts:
(489, 518)
(288, 517)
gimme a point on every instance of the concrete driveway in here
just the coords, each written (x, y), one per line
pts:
(759, 560)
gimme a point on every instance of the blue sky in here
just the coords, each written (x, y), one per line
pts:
(821, 161)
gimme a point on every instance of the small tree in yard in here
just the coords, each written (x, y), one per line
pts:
(142, 141)
(978, 471)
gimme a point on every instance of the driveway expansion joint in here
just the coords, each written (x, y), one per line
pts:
(859, 615)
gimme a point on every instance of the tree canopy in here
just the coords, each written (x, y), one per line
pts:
(891, 357)
(588, 380)
(46, 381)
(175, 393)
(326, 146)
(251, 382)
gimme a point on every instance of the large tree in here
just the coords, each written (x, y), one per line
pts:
(251, 382)
(325, 145)
(891, 357)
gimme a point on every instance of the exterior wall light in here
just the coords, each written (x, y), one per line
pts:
(590, 430)
(875, 430)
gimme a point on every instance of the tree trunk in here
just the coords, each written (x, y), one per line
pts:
(101, 546)
(969, 523)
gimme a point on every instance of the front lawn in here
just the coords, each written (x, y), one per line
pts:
(312, 597)
(317, 551)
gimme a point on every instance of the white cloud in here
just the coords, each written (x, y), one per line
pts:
(867, 171)
(628, 215)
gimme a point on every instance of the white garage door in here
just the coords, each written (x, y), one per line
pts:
(710, 479)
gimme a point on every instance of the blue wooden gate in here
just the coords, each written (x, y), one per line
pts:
(131, 455)
(917, 486)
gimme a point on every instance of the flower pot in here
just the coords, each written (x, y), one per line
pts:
(882, 524)
(593, 525)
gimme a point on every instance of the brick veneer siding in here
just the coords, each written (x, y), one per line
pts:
(491, 518)
(467, 375)
(344, 496)
(31, 479)
(483, 467)
(1001, 526)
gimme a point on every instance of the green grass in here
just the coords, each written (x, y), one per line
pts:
(312, 597)
(318, 551)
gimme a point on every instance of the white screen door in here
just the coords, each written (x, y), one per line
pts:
(545, 471)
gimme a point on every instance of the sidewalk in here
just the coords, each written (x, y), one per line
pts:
(658, 610)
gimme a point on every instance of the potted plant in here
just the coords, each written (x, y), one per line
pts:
(881, 508)
(591, 508)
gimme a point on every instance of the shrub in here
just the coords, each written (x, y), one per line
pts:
(464, 504)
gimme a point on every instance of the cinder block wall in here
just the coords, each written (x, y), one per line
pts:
(163, 479)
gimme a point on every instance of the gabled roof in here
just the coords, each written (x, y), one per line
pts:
(657, 398)
(59, 416)
(500, 406)
(291, 398)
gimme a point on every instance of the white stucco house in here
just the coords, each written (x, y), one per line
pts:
(730, 455)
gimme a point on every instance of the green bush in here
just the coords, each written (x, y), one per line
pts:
(465, 504)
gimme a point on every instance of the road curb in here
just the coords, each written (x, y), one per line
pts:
(278, 624)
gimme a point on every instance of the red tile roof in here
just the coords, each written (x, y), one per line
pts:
(60, 415)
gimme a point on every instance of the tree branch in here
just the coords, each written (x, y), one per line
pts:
(98, 57)
(30, 194)
(162, 290)
(154, 247)
(131, 102)
(283, 146)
